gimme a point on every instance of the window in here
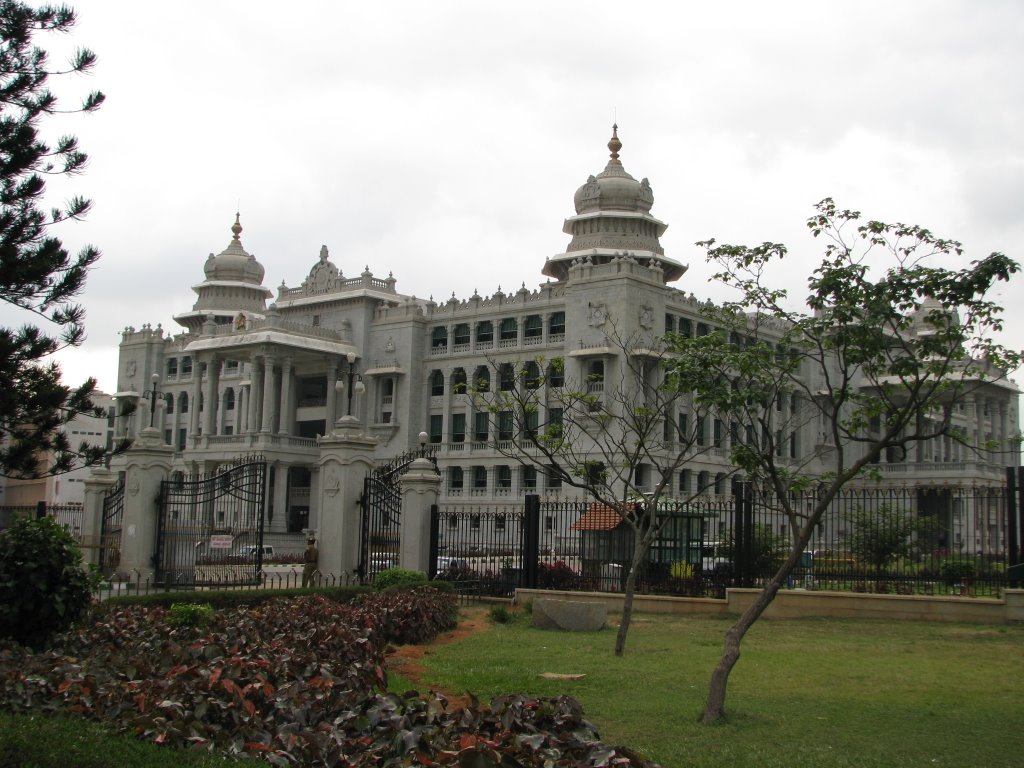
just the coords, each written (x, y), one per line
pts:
(530, 421)
(229, 399)
(556, 327)
(458, 427)
(231, 365)
(181, 439)
(436, 425)
(455, 478)
(529, 478)
(549, 522)
(703, 482)
(436, 383)
(499, 522)
(505, 425)
(482, 379)
(703, 329)
(509, 329)
(459, 381)
(554, 479)
(683, 420)
(670, 323)
(183, 402)
(186, 365)
(506, 377)
(485, 331)
(531, 375)
(172, 366)
(474, 522)
(169, 401)
(720, 483)
(595, 372)
(439, 338)
(718, 433)
(461, 334)
(504, 476)
(533, 327)
(685, 327)
(684, 481)
(480, 423)
(556, 373)
(553, 429)
(595, 472)
(479, 477)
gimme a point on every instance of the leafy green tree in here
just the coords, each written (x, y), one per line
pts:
(621, 439)
(37, 274)
(43, 588)
(891, 347)
(767, 550)
(881, 536)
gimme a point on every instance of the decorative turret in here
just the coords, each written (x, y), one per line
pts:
(613, 219)
(233, 287)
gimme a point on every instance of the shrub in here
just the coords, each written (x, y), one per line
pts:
(499, 614)
(231, 598)
(189, 614)
(681, 570)
(43, 588)
(407, 616)
(399, 578)
(557, 575)
(954, 571)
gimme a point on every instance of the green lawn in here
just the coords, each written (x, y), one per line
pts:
(808, 692)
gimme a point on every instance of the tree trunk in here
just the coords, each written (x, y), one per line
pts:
(714, 708)
(627, 598)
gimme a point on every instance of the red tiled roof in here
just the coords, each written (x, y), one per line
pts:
(600, 517)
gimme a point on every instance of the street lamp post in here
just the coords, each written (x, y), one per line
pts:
(153, 395)
(355, 382)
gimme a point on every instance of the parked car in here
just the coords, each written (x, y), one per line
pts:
(250, 550)
(444, 563)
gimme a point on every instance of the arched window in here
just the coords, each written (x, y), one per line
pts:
(482, 378)
(183, 402)
(531, 375)
(533, 327)
(439, 337)
(455, 478)
(459, 381)
(484, 332)
(436, 383)
(229, 399)
(506, 377)
(169, 402)
(504, 476)
(460, 335)
(509, 329)
(556, 326)
(172, 366)
(556, 373)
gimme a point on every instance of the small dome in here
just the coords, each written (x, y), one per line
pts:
(613, 188)
(930, 315)
(233, 263)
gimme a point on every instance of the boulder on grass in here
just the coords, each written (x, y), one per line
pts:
(570, 615)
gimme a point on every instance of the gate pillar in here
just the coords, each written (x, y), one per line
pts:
(346, 455)
(99, 482)
(420, 489)
(147, 463)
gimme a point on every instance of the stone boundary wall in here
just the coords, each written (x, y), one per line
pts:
(790, 604)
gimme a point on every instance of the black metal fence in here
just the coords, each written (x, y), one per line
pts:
(71, 516)
(934, 541)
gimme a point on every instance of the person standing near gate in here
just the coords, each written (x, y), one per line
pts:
(309, 561)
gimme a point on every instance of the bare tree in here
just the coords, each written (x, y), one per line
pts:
(885, 361)
(620, 439)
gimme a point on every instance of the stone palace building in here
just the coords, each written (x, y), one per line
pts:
(257, 372)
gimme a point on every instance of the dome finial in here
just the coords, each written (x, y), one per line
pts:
(614, 144)
(236, 228)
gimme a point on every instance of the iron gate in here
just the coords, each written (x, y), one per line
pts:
(110, 529)
(381, 504)
(210, 527)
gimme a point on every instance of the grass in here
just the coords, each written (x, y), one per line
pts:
(808, 692)
(31, 741)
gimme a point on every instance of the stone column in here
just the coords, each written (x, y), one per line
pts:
(268, 395)
(421, 486)
(346, 455)
(147, 463)
(210, 398)
(242, 410)
(253, 425)
(193, 418)
(97, 484)
(331, 405)
(285, 408)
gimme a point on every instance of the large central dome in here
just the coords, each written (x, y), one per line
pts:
(613, 220)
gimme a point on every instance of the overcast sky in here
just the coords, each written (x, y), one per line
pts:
(443, 141)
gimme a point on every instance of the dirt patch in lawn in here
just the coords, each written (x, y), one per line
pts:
(407, 660)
